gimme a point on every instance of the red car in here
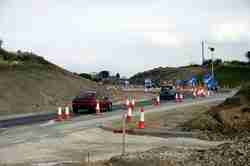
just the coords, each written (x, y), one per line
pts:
(88, 100)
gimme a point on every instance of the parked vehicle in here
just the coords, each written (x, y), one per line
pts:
(167, 93)
(88, 100)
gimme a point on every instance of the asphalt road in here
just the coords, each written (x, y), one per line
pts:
(62, 141)
(39, 118)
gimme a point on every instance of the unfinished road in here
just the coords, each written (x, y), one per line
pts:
(71, 141)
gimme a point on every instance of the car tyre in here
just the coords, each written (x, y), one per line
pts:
(110, 107)
(75, 110)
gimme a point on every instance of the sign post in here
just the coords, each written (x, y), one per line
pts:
(123, 133)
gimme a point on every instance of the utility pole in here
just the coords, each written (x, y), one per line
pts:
(1, 43)
(212, 56)
(123, 133)
(202, 52)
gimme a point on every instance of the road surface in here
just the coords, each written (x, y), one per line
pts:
(53, 142)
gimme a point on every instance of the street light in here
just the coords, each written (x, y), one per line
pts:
(212, 54)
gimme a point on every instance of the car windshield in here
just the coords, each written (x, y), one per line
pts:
(166, 88)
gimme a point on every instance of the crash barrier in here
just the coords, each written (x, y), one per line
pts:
(141, 121)
(63, 115)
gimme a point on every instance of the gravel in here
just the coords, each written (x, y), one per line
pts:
(236, 153)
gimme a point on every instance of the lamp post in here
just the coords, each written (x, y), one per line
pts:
(1, 43)
(212, 54)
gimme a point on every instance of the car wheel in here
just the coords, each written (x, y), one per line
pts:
(110, 107)
(75, 110)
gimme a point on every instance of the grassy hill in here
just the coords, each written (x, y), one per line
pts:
(29, 83)
(230, 75)
(166, 73)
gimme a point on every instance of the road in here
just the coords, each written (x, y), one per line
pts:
(72, 140)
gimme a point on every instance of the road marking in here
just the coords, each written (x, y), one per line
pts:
(49, 123)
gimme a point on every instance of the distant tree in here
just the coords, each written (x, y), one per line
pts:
(217, 62)
(207, 62)
(103, 74)
(1, 43)
(86, 76)
(117, 76)
(248, 56)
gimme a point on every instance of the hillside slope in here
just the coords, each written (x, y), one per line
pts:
(166, 73)
(29, 83)
(232, 75)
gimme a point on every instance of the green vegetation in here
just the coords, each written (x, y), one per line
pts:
(32, 84)
(231, 74)
(86, 76)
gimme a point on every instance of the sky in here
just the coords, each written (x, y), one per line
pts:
(126, 36)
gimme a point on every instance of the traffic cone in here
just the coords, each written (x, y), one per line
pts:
(177, 97)
(158, 100)
(181, 97)
(133, 102)
(59, 114)
(127, 102)
(67, 113)
(194, 94)
(98, 112)
(141, 122)
(129, 114)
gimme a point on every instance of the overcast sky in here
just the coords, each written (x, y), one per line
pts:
(125, 36)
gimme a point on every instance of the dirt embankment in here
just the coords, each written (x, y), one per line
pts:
(228, 120)
(29, 83)
(230, 154)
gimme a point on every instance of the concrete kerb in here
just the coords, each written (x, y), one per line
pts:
(159, 132)
(152, 132)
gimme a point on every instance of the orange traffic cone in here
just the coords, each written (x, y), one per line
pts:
(177, 97)
(158, 100)
(59, 114)
(98, 109)
(67, 113)
(133, 102)
(181, 97)
(141, 122)
(127, 102)
(129, 114)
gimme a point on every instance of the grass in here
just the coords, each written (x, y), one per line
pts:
(231, 76)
